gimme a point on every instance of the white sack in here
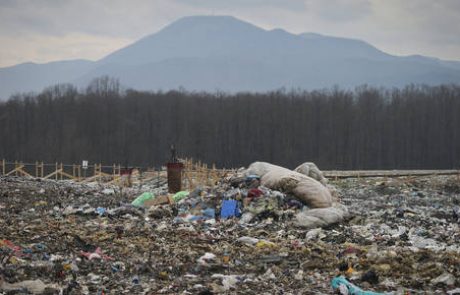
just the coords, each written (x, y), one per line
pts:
(310, 169)
(304, 188)
(321, 217)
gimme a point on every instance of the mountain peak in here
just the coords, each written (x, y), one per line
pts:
(189, 37)
(208, 22)
(208, 52)
(206, 19)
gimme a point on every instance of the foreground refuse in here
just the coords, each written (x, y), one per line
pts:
(401, 235)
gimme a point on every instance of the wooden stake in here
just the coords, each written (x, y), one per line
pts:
(18, 169)
(37, 169)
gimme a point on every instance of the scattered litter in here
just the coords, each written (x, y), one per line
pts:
(250, 232)
(144, 197)
(445, 279)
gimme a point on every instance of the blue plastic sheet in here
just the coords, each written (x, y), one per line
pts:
(351, 288)
(229, 209)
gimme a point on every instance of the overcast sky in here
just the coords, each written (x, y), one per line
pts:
(48, 30)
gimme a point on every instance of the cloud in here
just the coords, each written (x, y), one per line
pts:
(102, 17)
(294, 5)
(415, 27)
(44, 30)
(439, 21)
(43, 48)
(340, 10)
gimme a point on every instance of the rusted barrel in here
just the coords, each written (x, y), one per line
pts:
(174, 177)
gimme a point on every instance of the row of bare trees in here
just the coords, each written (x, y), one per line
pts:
(368, 128)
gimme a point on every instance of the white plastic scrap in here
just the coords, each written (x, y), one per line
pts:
(445, 278)
(248, 240)
(207, 257)
(228, 281)
(33, 286)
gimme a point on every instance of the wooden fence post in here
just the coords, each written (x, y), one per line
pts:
(100, 172)
(158, 177)
(96, 171)
(74, 170)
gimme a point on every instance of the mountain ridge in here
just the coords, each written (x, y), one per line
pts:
(209, 53)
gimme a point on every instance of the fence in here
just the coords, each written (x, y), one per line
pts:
(335, 174)
(194, 174)
(60, 171)
(198, 174)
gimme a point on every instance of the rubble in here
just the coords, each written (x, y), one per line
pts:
(399, 235)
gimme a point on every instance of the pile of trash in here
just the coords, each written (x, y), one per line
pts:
(260, 192)
(264, 230)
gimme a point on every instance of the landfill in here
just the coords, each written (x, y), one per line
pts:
(380, 235)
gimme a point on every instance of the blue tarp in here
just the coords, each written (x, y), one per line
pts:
(230, 209)
(350, 288)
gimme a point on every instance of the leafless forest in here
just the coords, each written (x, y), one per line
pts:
(367, 128)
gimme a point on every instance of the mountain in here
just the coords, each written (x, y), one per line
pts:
(34, 77)
(224, 53)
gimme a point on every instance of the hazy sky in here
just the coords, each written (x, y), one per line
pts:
(48, 30)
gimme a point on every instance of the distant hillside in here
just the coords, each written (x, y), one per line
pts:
(34, 77)
(223, 53)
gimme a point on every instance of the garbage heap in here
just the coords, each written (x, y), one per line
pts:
(265, 230)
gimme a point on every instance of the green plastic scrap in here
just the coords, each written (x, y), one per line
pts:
(180, 196)
(341, 283)
(140, 200)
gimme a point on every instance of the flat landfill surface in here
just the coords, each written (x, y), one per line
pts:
(61, 237)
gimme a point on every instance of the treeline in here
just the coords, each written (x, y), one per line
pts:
(417, 127)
